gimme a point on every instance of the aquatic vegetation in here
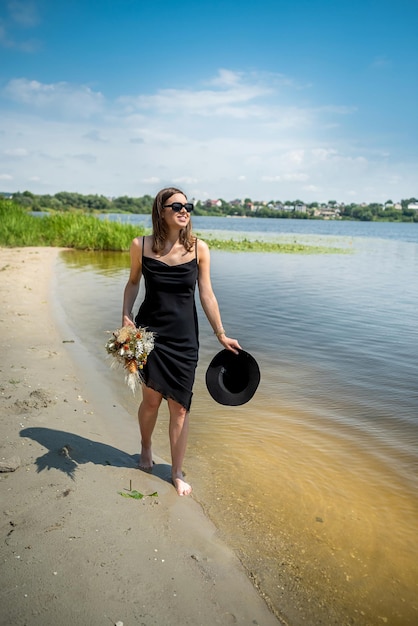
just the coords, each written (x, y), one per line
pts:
(66, 230)
(81, 231)
(246, 245)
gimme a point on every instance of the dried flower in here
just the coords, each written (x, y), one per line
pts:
(131, 346)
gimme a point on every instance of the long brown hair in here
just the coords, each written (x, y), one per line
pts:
(159, 227)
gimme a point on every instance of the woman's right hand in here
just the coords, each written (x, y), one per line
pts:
(127, 321)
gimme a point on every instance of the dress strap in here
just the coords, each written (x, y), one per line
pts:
(143, 243)
(195, 244)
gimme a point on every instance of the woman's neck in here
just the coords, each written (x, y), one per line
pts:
(172, 237)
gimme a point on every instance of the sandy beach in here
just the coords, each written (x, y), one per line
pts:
(74, 550)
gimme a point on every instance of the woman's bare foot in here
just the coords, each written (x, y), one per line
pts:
(145, 462)
(182, 488)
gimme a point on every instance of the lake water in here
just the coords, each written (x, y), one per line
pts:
(314, 482)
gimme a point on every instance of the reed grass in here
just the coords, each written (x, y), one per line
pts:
(64, 230)
(85, 232)
(246, 245)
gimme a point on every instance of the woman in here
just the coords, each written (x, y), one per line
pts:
(171, 260)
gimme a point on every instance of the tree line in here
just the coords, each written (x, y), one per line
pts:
(70, 201)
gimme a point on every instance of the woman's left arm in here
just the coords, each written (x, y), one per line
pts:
(208, 298)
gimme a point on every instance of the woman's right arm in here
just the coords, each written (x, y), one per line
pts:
(132, 286)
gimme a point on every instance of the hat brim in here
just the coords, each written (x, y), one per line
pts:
(232, 379)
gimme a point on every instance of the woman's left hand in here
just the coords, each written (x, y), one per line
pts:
(229, 344)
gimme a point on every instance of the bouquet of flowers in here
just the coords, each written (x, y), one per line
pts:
(131, 346)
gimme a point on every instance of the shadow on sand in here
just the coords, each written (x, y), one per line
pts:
(66, 451)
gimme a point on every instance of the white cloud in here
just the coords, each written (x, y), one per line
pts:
(85, 157)
(19, 15)
(323, 154)
(29, 45)
(241, 135)
(295, 156)
(185, 180)
(226, 78)
(153, 180)
(228, 103)
(60, 98)
(23, 13)
(16, 152)
(95, 135)
(6, 177)
(286, 177)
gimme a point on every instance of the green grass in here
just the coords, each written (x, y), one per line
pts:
(18, 228)
(66, 230)
(245, 245)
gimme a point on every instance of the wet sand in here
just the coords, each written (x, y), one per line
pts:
(75, 551)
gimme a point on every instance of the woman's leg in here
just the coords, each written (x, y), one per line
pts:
(147, 417)
(178, 431)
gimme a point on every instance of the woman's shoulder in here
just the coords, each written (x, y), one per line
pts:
(202, 246)
(202, 250)
(136, 246)
(136, 243)
(139, 241)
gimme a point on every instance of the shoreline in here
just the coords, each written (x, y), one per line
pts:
(74, 550)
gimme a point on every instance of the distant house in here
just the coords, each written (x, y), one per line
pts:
(285, 207)
(413, 206)
(211, 203)
(327, 213)
(392, 205)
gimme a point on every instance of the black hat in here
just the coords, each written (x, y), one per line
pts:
(231, 378)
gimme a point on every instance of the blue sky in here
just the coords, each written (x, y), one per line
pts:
(315, 100)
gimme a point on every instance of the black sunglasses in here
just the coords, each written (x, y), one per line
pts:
(178, 206)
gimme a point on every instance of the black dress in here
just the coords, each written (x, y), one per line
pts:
(169, 310)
